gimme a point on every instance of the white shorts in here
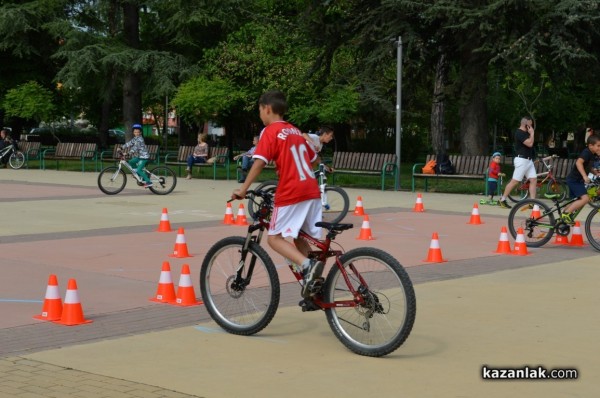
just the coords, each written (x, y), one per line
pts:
(289, 220)
(524, 168)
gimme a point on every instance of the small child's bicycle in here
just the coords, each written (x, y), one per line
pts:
(112, 179)
(538, 228)
(16, 159)
(491, 202)
(368, 297)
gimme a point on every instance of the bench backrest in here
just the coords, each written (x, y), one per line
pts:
(75, 149)
(152, 151)
(220, 152)
(29, 148)
(362, 161)
(467, 164)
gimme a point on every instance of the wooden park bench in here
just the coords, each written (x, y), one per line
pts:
(30, 149)
(112, 156)
(362, 163)
(219, 154)
(466, 167)
(70, 151)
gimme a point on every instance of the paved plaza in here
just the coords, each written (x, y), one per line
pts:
(479, 309)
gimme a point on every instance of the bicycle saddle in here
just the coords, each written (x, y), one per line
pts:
(334, 227)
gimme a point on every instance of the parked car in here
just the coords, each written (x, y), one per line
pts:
(117, 135)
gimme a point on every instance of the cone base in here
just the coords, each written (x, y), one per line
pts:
(46, 318)
(163, 301)
(578, 244)
(442, 260)
(503, 251)
(365, 238)
(180, 255)
(199, 302)
(165, 228)
(66, 323)
(418, 210)
(475, 222)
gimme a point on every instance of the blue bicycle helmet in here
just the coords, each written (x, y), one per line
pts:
(136, 126)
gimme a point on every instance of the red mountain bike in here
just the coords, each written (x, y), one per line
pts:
(367, 296)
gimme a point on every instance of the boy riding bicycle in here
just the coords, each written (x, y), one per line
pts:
(298, 200)
(139, 153)
(578, 177)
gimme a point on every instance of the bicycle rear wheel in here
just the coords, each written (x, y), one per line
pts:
(336, 204)
(163, 180)
(16, 160)
(537, 231)
(254, 202)
(592, 228)
(384, 321)
(519, 192)
(240, 306)
(112, 180)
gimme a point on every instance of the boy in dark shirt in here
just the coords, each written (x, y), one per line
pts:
(578, 177)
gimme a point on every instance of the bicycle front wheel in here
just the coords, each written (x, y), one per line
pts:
(592, 228)
(555, 187)
(254, 202)
(519, 192)
(16, 160)
(241, 295)
(112, 180)
(163, 180)
(335, 204)
(537, 229)
(380, 324)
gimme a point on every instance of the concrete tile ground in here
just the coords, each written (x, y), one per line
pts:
(478, 308)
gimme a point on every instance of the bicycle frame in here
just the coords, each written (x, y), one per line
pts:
(548, 175)
(322, 253)
(122, 162)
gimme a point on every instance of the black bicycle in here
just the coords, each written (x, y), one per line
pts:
(368, 297)
(541, 221)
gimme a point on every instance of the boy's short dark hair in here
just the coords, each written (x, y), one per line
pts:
(592, 139)
(325, 130)
(276, 99)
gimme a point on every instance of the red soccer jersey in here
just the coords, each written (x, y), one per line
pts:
(284, 144)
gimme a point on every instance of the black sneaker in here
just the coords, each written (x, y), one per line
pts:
(310, 273)
(503, 204)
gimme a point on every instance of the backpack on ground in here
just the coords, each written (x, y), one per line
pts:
(429, 167)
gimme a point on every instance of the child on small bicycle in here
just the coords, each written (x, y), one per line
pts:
(298, 200)
(139, 152)
(578, 177)
(494, 172)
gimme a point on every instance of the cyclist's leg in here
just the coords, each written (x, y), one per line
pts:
(140, 169)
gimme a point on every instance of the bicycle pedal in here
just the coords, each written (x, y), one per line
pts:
(308, 305)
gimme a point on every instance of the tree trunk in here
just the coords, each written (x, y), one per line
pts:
(474, 135)
(132, 93)
(438, 107)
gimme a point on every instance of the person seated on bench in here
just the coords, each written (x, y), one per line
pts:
(200, 155)
(247, 160)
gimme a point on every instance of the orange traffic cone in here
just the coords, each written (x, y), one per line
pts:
(228, 219)
(164, 225)
(359, 209)
(520, 245)
(185, 290)
(72, 314)
(503, 243)
(365, 229)
(475, 218)
(52, 308)
(577, 237)
(165, 292)
(434, 255)
(561, 240)
(180, 250)
(535, 212)
(419, 204)
(241, 216)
